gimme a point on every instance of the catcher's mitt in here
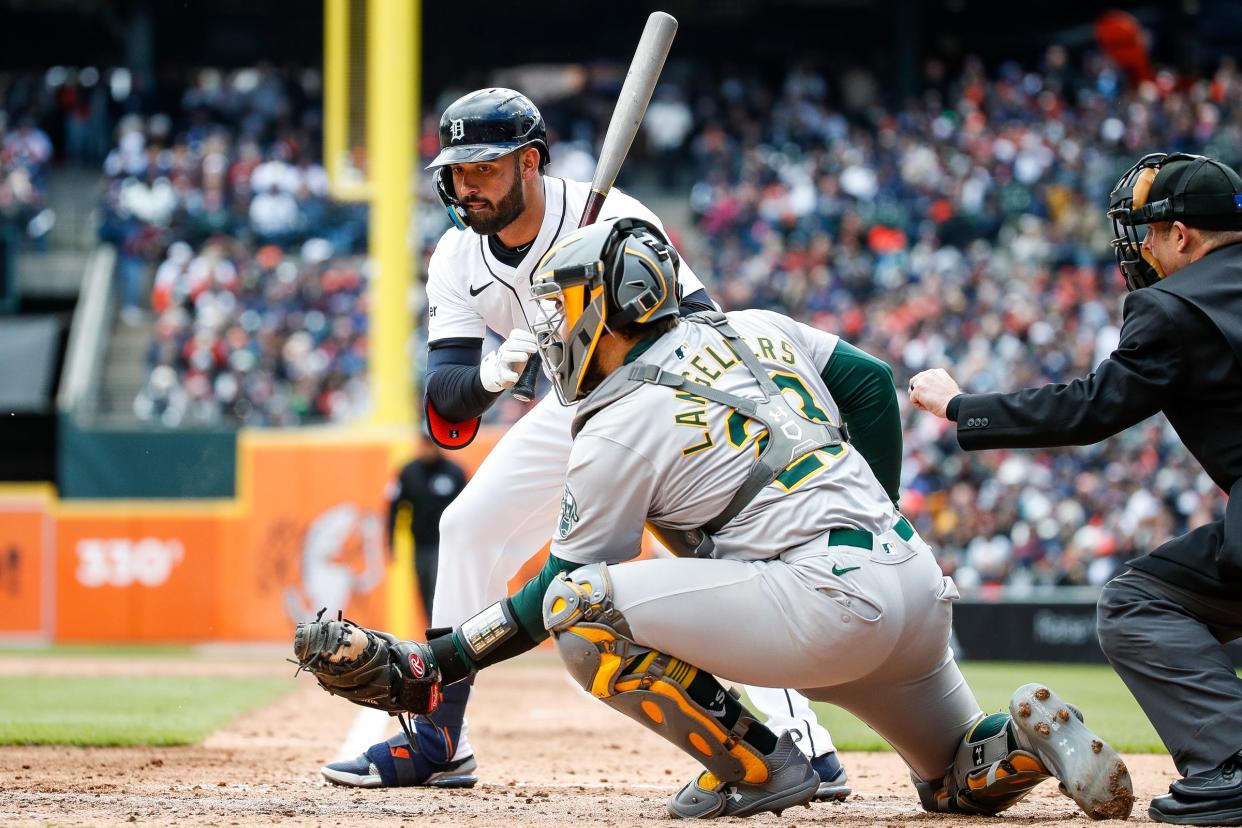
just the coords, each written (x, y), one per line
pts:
(368, 667)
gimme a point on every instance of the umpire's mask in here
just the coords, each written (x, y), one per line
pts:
(1193, 189)
(601, 278)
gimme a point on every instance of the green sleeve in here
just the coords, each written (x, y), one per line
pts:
(526, 606)
(527, 602)
(864, 391)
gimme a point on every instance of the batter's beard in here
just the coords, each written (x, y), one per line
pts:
(502, 214)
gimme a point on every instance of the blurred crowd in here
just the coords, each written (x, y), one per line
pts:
(257, 336)
(220, 213)
(25, 153)
(966, 230)
(962, 229)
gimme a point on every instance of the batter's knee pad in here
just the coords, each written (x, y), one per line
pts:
(990, 772)
(595, 642)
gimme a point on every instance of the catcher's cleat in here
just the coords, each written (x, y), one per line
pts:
(1091, 772)
(395, 764)
(791, 781)
(997, 767)
(833, 783)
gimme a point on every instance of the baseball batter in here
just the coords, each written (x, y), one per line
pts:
(509, 214)
(720, 431)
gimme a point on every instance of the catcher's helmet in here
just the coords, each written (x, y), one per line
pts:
(604, 277)
(1193, 189)
(482, 126)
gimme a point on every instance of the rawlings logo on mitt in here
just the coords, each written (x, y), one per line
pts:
(368, 667)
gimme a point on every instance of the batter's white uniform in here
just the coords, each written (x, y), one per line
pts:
(860, 618)
(509, 508)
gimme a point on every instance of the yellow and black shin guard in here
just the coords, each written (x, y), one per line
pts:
(653, 688)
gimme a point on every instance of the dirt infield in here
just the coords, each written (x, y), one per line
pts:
(547, 752)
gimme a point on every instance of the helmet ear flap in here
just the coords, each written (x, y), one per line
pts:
(448, 196)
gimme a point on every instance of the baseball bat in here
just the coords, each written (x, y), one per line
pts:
(640, 82)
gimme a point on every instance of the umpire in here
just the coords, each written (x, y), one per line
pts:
(1163, 623)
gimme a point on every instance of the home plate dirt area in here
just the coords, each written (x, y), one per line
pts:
(548, 754)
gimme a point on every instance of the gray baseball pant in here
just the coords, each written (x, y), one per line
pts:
(867, 630)
(1167, 644)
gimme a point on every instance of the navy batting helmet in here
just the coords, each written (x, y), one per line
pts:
(482, 126)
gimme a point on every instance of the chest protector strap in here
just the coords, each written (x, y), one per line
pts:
(791, 436)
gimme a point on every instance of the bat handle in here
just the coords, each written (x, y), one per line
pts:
(524, 389)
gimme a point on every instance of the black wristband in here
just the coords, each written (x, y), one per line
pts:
(449, 660)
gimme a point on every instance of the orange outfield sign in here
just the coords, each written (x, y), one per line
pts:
(312, 537)
(25, 560)
(137, 577)
(305, 533)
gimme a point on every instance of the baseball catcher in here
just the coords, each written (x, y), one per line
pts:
(491, 174)
(794, 570)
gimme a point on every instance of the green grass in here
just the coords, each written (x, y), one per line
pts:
(111, 711)
(1096, 690)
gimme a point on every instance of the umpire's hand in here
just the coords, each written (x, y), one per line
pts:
(932, 390)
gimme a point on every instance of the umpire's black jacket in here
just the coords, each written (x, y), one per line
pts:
(1180, 353)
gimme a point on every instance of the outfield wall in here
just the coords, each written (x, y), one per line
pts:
(304, 531)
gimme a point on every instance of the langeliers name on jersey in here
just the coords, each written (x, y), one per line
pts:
(706, 367)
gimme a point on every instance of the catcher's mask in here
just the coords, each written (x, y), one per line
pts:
(599, 279)
(483, 126)
(1162, 187)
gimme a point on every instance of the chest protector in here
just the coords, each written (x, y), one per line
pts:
(791, 435)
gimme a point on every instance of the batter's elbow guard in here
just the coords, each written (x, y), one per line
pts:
(447, 434)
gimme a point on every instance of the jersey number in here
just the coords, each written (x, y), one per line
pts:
(806, 466)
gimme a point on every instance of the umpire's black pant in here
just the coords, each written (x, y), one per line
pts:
(426, 562)
(1167, 644)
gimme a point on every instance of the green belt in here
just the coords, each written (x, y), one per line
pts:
(865, 540)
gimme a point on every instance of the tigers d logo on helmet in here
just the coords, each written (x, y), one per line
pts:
(483, 126)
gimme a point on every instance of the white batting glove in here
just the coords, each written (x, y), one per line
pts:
(501, 368)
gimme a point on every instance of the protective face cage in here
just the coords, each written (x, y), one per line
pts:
(1130, 208)
(599, 279)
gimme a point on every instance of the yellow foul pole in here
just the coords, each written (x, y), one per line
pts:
(392, 111)
(392, 106)
(336, 82)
